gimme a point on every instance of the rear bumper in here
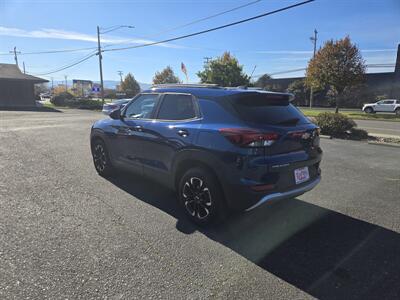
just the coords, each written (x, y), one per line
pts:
(239, 186)
(288, 194)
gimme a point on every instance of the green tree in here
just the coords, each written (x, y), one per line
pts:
(264, 82)
(354, 96)
(224, 71)
(166, 76)
(338, 65)
(300, 91)
(130, 86)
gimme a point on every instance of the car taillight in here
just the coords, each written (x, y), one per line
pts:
(244, 137)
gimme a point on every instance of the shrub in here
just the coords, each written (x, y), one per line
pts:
(334, 124)
(60, 99)
(85, 104)
(358, 134)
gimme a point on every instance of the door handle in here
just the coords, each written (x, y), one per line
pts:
(183, 132)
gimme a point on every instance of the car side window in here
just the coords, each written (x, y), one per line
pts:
(177, 107)
(388, 102)
(142, 107)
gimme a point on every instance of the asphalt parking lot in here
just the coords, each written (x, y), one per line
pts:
(65, 232)
(382, 128)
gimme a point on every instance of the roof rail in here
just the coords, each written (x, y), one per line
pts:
(186, 85)
(244, 87)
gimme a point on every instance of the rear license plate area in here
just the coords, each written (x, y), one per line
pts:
(301, 175)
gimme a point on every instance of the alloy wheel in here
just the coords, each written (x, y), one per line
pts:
(197, 198)
(100, 158)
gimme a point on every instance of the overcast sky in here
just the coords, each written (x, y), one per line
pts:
(275, 43)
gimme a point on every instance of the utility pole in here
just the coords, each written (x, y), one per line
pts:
(252, 72)
(23, 63)
(15, 55)
(120, 73)
(100, 64)
(52, 86)
(120, 76)
(66, 85)
(207, 60)
(206, 63)
(314, 40)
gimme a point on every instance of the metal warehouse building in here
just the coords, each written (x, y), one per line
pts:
(387, 83)
(17, 88)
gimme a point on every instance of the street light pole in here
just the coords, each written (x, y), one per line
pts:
(105, 30)
(66, 83)
(314, 40)
(100, 65)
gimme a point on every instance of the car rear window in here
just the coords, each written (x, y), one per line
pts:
(268, 109)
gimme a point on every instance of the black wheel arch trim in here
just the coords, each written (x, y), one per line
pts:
(197, 158)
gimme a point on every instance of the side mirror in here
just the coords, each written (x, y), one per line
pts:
(115, 114)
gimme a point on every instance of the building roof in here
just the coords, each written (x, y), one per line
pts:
(12, 72)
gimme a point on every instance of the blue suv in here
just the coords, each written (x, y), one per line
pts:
(220, 149)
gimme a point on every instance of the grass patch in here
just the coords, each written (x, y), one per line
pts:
(353, 115)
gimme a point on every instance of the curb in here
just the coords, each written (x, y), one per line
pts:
(382, 135)
(385, 144)
(322, 136)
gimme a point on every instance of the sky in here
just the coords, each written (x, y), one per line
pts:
(272, 44)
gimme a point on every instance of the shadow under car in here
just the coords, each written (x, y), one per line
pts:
(325, 253)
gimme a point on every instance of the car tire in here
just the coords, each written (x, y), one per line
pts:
(397, 111)
(201, 197)
(101, 158)
(369, 110)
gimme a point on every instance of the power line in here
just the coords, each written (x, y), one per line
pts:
(85, 58)
(207, 18)
(198, 20)
(51, 51)
(212, 29)
(58, 51)
(187, 24)
(389, 65)
(280, 72)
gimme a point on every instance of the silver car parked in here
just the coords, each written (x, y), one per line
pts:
(109, 107)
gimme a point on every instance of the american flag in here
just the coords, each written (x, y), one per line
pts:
(184, 70)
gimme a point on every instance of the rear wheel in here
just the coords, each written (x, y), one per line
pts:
(101, 159)
(369, 110)
(201, 197)
(397, 111)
